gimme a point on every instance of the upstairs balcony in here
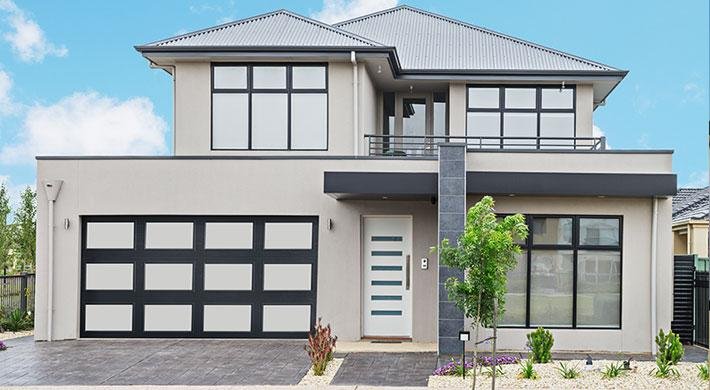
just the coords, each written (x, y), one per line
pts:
(427, 145)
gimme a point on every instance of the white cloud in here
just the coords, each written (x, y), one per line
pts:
(87, 123)
(26, 36)
(7, 105)
(340, 10)
(693, 93)
(697, 179)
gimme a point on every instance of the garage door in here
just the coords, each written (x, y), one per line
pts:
(188, 276)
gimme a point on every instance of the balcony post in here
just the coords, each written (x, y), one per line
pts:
(602, 143)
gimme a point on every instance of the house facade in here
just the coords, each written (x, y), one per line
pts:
(691, 208)
(314, 168)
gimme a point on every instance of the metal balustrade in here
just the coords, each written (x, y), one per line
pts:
(426, 145)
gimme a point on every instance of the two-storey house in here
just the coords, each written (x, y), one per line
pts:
(314, 168)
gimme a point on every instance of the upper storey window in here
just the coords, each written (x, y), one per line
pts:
(269, 107)
(521, 116)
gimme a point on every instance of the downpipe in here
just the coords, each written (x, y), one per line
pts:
(356, 139)
(654, 261)
(51, 188)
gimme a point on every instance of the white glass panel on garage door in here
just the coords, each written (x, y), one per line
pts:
(228, 277)
(287, 318)
(228, 235)
(168, 235)
(288, 235)
(227, 318)
(287, 277)
(109, 235)
(168, 318)
(108, 318)
(109, 276)
(168, 276)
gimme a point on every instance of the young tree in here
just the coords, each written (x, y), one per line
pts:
(5, 230)
(25, 231)
(485, 252)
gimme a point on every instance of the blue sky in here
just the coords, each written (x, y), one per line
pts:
(71, 82)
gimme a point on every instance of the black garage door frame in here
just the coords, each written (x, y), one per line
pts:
(198, 256)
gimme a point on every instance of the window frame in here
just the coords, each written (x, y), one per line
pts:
(288, 91)
(502, 110)
(529, 246)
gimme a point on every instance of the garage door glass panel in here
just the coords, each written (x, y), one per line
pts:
(109, 235)
(227, 318)
(287, 277)
(228, 277)
(168, 318)
(228, 235)
(288, 235)
(109, 276)
(168, 276)
(115, 318)
(168, 235)
(287, 318)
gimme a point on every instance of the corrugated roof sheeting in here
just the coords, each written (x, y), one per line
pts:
(279, 28)
(428, 41)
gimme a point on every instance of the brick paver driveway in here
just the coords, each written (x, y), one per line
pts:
(153, 362)
(386, 369)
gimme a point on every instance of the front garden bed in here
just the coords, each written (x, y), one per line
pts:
(311, 379)
(549, 377)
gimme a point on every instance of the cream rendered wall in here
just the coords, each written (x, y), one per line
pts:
(635, 334)
(232, 187)
(193, 110)
(368, 99)
(585, 109)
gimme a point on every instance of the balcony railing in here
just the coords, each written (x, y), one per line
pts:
(415, 145)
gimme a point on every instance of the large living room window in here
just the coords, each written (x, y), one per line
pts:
(269, 107)
(569, 274)
(515, 116)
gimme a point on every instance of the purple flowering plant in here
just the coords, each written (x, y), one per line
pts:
(454, 367)
(2, 346)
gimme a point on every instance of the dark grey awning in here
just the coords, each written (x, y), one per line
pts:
(419, 185)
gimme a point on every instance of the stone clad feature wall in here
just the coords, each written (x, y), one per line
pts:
(452, 211)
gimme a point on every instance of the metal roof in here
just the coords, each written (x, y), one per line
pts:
(691, 203)
(280, 28)
(427, 41)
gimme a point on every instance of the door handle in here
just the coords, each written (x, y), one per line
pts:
(407, 276)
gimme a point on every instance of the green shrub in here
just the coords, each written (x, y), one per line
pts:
(540, 344)
(16, 321)
(489, 371)
(670, 349)
(664, 369)
(704, 371)
(568, 372)
(613, 370)
(527, 371)
(321, 344)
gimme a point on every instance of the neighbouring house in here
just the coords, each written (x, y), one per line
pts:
(691, 207)
(314, 168)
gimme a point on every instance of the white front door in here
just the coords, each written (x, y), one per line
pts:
(387, 277)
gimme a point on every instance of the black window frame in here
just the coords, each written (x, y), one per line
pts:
(288, 91)
(529, 246)
(538, 110)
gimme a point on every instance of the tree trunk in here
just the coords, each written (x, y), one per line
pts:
(495, 339)
(475, 340)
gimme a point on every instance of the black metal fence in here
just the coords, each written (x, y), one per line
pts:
(17, 292)
(702, 305)
(682, 323)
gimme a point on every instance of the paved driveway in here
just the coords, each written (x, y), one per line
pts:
(153, 362)
(386, 369)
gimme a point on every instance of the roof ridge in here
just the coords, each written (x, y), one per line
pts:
(483, 30)
(281, 11)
